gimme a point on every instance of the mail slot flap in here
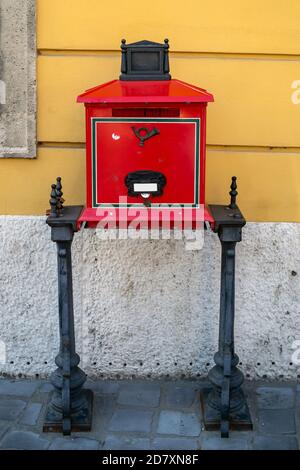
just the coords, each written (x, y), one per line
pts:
(145, 181)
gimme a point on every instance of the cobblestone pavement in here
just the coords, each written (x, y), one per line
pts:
(156, 415)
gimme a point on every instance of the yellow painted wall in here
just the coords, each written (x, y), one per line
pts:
(247, 53)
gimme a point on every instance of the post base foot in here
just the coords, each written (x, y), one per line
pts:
(238, 421)
(80, 421)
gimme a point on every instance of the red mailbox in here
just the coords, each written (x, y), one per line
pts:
(145, 142)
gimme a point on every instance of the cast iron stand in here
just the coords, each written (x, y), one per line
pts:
(70, 408)
(224, 406)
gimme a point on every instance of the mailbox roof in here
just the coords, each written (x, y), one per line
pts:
(172, 91)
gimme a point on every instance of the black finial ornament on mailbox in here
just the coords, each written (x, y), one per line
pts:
(146, 143)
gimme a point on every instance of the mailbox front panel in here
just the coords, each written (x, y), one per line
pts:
(169, 146)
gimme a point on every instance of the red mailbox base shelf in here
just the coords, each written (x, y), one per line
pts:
(145, 217)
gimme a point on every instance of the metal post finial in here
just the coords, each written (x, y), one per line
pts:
(59, 194)
(233, 193)
(53, 202)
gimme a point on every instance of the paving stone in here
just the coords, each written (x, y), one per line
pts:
(215, 442)
(178, 428)
(113, 442)
(178, 423)
(139, 394)
(131, 420)
(103, 387)
(103, 409)
(275, 443)
(277, 421)
(181, 396)
(3, 429)
(31, 414)
(11, 409)
(75, 443)
(297, 411)
(174, 443)
(274, 398)
(104, 405)
(24, 440)
(18, 388)
(46, 388)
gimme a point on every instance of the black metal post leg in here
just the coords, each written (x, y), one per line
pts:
(224, 405)
(70, 408)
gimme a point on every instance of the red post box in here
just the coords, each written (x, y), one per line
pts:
(145, 142)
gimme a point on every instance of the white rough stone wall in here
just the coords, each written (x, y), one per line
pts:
(149, 307)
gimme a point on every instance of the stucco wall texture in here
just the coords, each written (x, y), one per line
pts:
(148, 308)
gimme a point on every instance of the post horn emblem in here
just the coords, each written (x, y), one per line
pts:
(143, 134)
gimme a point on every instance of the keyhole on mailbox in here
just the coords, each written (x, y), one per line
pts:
(143, 133)
(146, 200)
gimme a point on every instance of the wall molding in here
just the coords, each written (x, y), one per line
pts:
(17, 78)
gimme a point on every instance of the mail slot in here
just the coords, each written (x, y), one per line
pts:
(145, 183)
